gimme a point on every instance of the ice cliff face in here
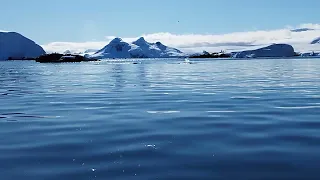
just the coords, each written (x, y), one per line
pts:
(140, 48)
(274, 50)
(14, 45)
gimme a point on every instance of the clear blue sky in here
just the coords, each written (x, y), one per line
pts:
(69, 20)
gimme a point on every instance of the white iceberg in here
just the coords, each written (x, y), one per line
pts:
(16, 46)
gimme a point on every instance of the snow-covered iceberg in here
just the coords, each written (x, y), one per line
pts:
(140, 48)
(274, 50)
(16, 46)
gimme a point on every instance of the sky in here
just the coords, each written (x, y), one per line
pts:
(92, 23)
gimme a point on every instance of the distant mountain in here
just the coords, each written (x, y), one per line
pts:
(15, 46)
(140, 48)
(274, 50)
(117, 48)
(316, 41)
(67, 52)
(301, 30)
(88, 51)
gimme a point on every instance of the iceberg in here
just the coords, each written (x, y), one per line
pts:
(16, 46)
(140, 48)
(274, 50)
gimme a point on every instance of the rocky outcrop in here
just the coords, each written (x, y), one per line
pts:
(316, 41)
(59, 58)
(206, 54)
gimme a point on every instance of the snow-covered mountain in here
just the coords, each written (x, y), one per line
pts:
(140, 48)
(156, 50)
(316, 41)
(67, 52)
(274, 50)
(117, 48)
(88, 51)
(17, 46)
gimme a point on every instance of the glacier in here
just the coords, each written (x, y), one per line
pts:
(140, 48)
(274, 50)
(16, 46)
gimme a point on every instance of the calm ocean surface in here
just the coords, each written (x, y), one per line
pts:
(214, 119)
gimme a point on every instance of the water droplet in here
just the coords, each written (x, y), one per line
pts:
(93, 169)
(122, 170)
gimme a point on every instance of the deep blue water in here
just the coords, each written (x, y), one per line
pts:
(214, 119)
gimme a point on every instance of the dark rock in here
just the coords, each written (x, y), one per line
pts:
(58, 58)
(212, 55)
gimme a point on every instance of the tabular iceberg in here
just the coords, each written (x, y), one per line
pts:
(140, 48)
(274, 50)
(16, 46)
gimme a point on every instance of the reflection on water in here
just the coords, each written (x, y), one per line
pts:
(160, 119)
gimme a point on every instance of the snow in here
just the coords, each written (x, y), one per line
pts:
(140, 48)
(274, 50)
(17, 46)
(117, 48)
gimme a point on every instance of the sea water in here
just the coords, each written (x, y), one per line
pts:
(160, 119)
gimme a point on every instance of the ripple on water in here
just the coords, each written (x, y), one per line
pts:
(162, 112)
(249, 119)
